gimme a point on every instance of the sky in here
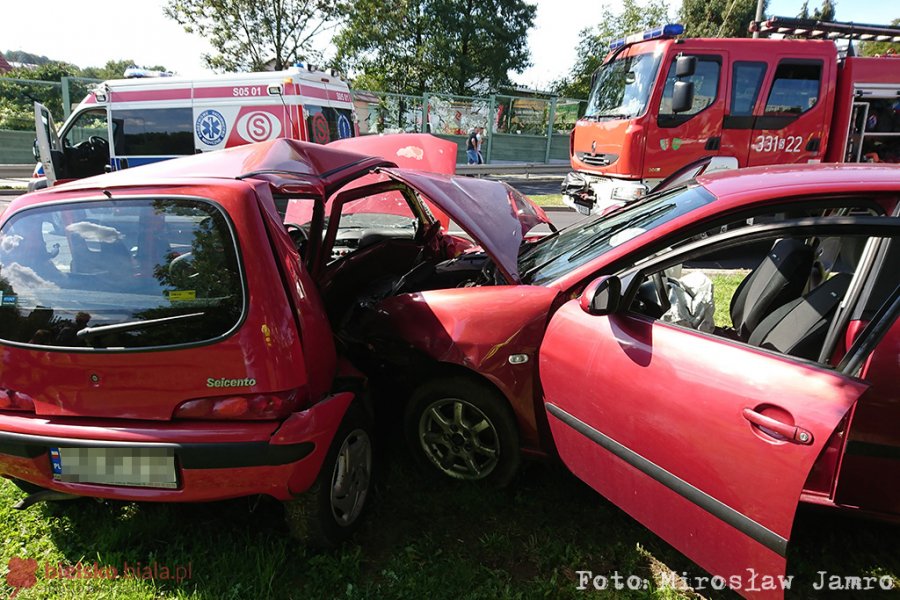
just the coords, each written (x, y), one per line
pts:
(89, 34)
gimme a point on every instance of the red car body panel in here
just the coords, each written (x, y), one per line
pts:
(442, 325)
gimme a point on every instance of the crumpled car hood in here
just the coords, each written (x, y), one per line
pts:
(494, 214)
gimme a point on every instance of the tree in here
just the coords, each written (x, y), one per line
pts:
(458, 46)
(17, 99)
(718, 18)
(593, 42)
(253, 34)
(825, 13)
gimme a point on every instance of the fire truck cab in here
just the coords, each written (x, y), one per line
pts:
(659, 103)
(150, 116)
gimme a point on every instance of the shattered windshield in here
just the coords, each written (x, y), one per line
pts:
(622, 87)
(119, 274)
(558, 254)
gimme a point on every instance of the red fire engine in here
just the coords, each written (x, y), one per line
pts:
(659, 103)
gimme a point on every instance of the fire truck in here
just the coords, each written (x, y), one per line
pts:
(151, 116)
(660, 103)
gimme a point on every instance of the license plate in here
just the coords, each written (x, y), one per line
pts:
(132, 467)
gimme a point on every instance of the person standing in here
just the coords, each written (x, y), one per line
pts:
(472, 147)
(479, 135)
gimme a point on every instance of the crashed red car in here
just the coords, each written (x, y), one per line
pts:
(705, 358)
(165, 337)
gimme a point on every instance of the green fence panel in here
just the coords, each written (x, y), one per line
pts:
(15, 147)
(559, 147)
(519, 148)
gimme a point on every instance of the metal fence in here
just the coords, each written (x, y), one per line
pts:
(518, 129)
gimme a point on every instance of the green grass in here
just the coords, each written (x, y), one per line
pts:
(724, 284)
(546, 200)
(423, 539)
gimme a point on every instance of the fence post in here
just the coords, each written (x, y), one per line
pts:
(426, 127)
(550, 121)
(66, 100)
(491, 120)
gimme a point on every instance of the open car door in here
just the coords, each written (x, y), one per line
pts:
(47, 140)
(706, 441)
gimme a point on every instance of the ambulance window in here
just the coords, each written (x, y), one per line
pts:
(706, 89)
(88, 124)
(795, 89)
(154, 132)
(746, 81)
(324, 123)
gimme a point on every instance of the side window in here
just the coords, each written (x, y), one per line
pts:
(706, 89)
(325, 124)
(746, 81)
(154, 132)
(778, 294)
(90, 123)
(795, 88)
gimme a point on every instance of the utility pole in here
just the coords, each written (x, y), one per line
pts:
(759, 15)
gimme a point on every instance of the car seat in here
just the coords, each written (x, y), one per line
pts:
(799, 327)
(780, 278)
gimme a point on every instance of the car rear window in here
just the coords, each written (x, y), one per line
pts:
(119, 274)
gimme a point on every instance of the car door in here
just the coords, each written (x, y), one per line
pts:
(704, 440)
(47, 140)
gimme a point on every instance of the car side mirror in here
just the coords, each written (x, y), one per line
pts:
(602, 296)
(683, 96)
(685, 66)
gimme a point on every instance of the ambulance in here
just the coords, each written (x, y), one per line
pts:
(151, 116)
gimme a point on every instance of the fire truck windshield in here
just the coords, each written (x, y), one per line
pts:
(622, 87)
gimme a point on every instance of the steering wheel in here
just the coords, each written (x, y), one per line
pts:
(299, 236)
(99, 144)
(662, 290)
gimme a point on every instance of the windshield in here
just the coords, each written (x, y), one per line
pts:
(557, 255)
(119, 274)
(622, 87)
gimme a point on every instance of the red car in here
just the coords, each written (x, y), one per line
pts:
(164, 336)
(704, 358)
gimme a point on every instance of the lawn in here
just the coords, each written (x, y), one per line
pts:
(423, 539)
(548, 200)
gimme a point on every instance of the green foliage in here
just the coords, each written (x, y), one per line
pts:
(114, 69)
(593, 42)
(825, 13)
(880, 48)
(17, 99)
(718, 18)
(250, 34)
(462, 47)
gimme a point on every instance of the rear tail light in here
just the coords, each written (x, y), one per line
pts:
(246, 407)
(12, 400)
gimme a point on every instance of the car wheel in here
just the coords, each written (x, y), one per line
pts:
(331, 510)
(464, 430)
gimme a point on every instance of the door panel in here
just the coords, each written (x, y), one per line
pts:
(791, 125)
(675, 140)
(47, 140)
(653, 417)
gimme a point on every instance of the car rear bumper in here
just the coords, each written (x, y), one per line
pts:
(213, 461)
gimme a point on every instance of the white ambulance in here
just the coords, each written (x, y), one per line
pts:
(151, 117)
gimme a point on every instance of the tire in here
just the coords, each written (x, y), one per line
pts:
(332, 509)
(464, 430)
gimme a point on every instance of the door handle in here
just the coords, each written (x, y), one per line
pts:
(791, 433)
(713, 143)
